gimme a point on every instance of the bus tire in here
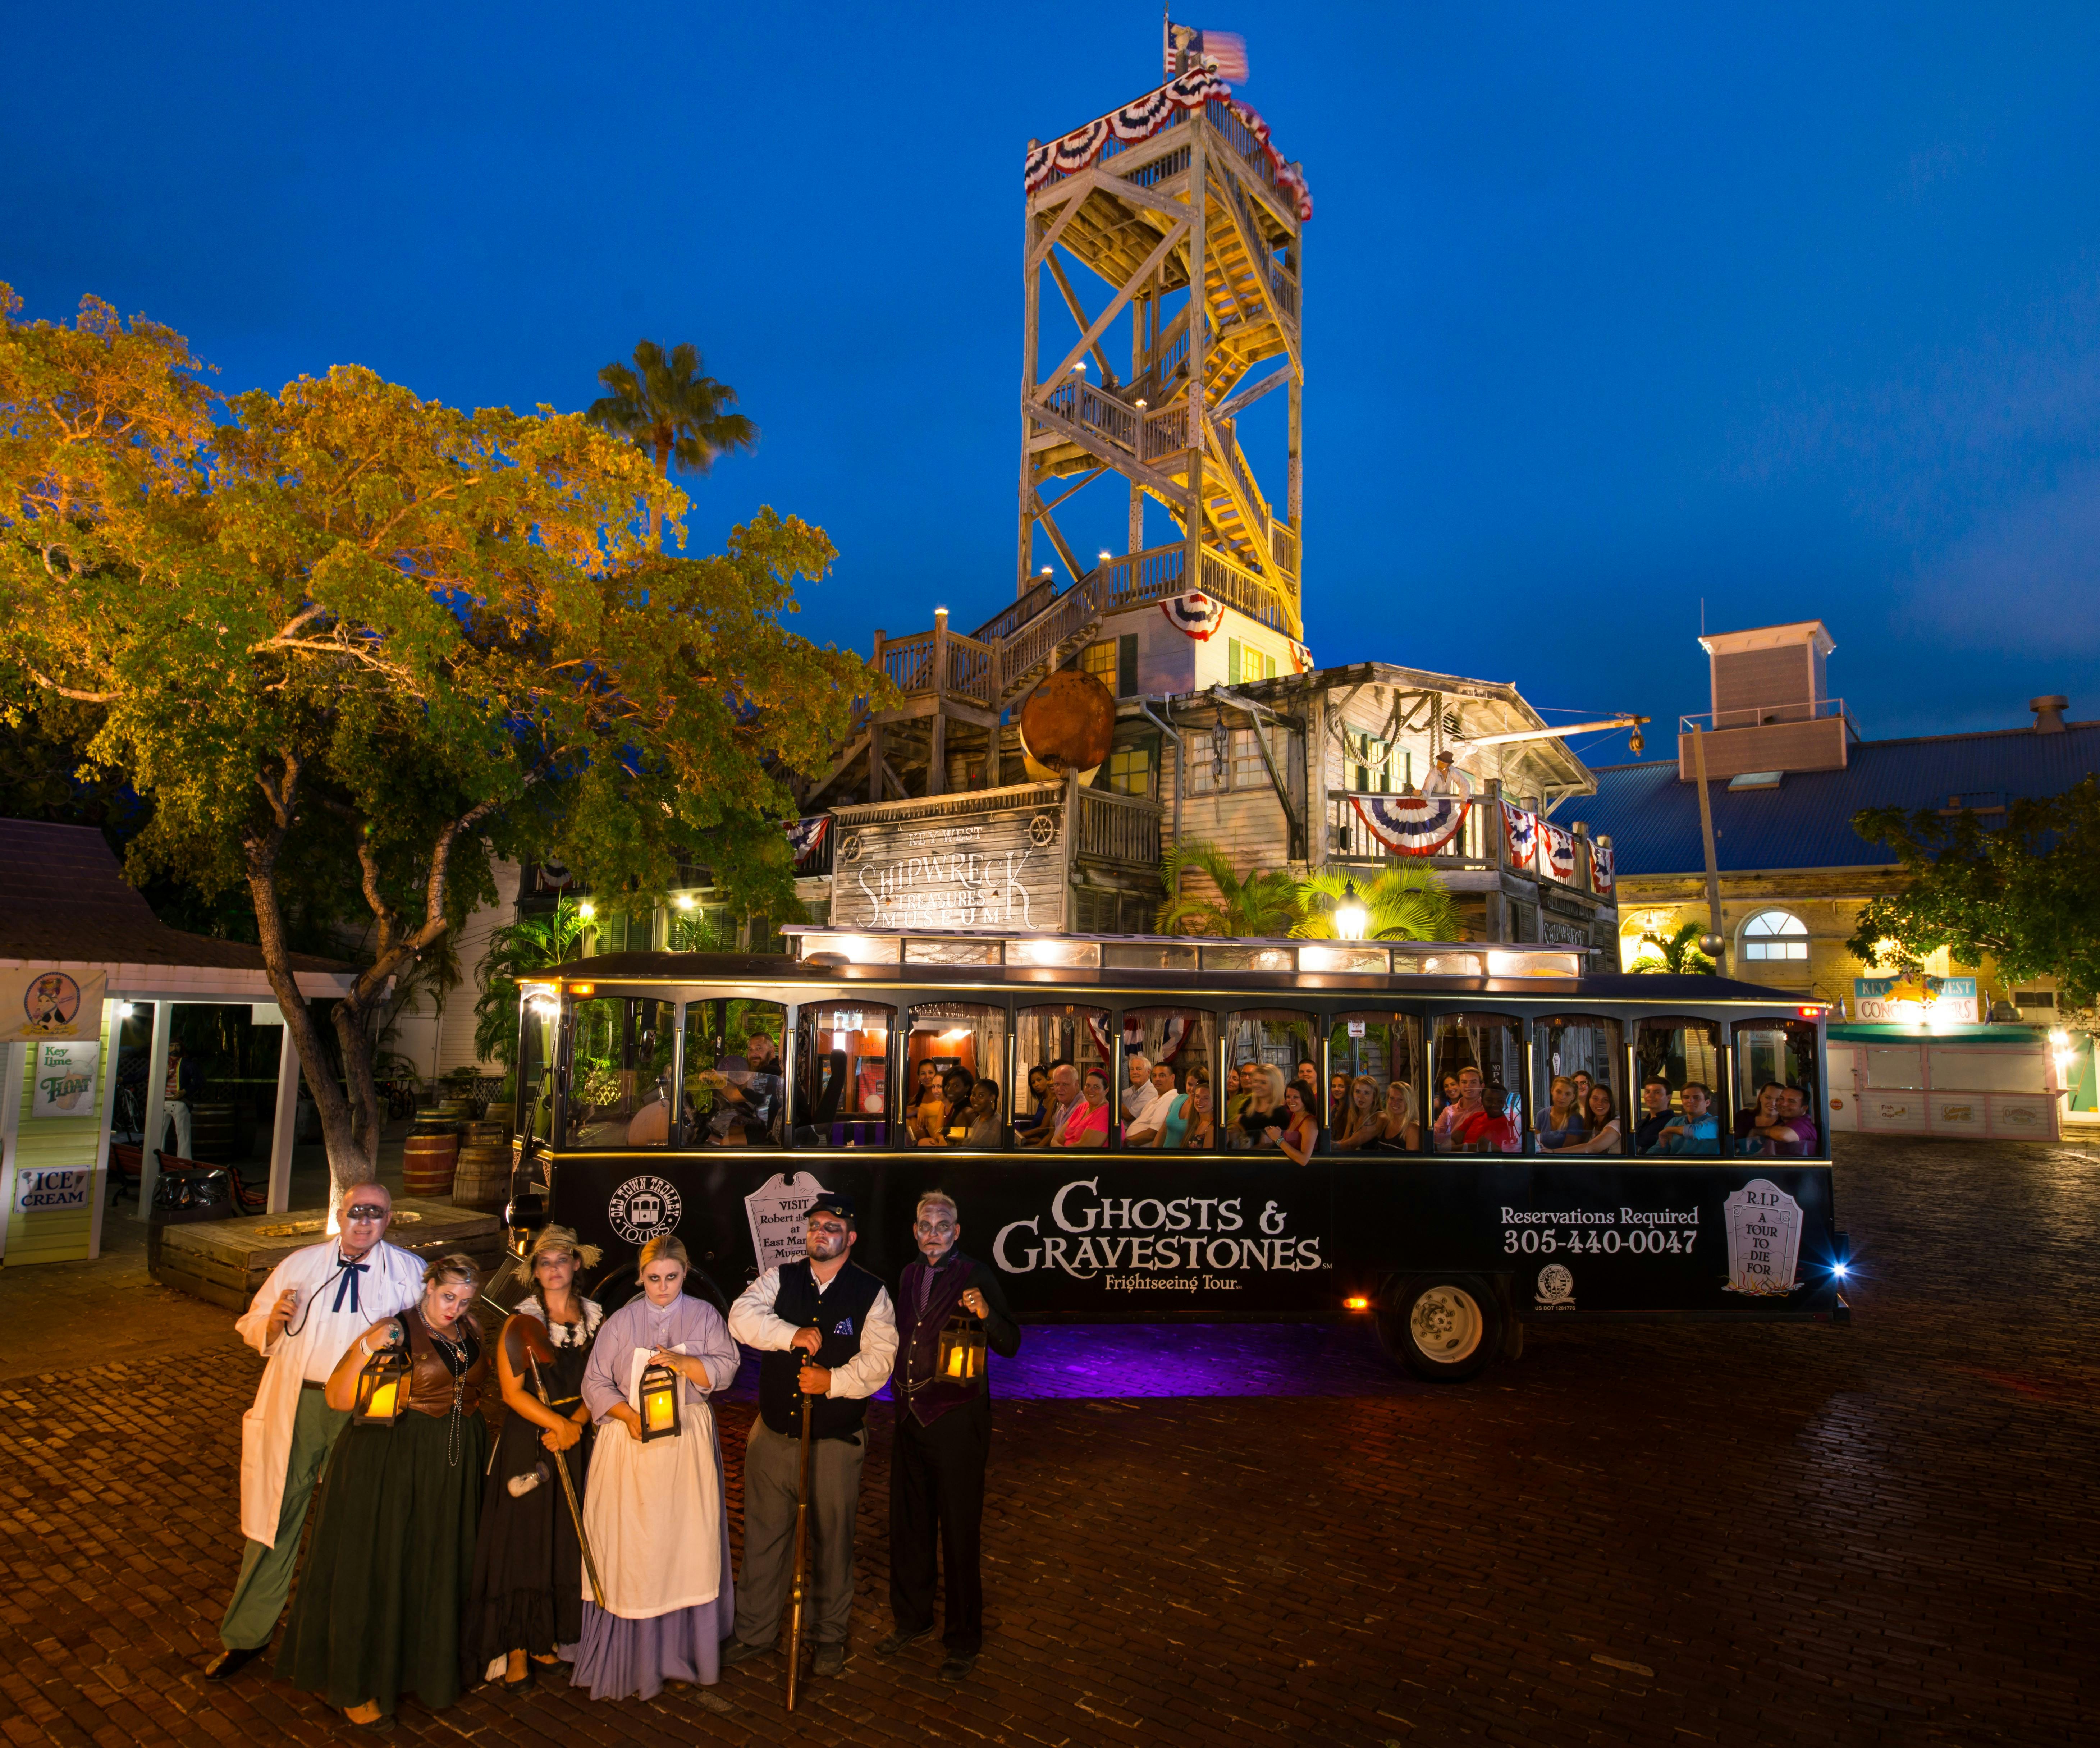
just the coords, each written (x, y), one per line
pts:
(1443, 1328)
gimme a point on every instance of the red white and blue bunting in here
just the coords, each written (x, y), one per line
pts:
(1600, 869)
(1194, 615)
(805, 835)
(1558, 859)
(1133, 1036)
(1412, 825)
(1143, 118)
(1522, 828)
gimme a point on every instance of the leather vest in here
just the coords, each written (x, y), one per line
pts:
(430, 1380)
(916, 1378)
(840, 1313)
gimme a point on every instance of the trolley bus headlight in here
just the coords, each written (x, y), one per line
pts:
(1841, 1270)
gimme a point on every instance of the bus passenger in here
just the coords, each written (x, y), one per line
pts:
(1604, 1134)
(1029, 1133)
(1139, 1096)
(1655, 1113)
(1087, 1123)
(1563, 1127)
(1308, 1077)
(1145, 1131)
(1794, 1113)
(1760, 1130)
(1398, 1131)
(1199, 1131)
(1357, 1123)
(1697, 1130)
(1238, 1093)
(927, 1121)
(1263, 1109)
(1338, 1100)
(1063, 1100)
(1299, 1136)
(1471, 1126)
(981, 1115)
(1582, 1083)
(1447, 1094)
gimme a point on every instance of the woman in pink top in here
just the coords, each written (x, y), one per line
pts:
(1088, 1125)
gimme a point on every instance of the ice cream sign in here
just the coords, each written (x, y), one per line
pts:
(1763, 1225)
(63, 1083)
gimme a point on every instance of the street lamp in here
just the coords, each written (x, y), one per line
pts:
(1350, 917)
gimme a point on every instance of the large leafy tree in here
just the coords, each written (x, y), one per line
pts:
(1264, 904)
(345, 632)
(668, 406)
(1404, 901)
(2025, 893)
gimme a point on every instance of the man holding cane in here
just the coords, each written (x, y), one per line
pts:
(825, 1331)
(937, 1464)
(316, 1302)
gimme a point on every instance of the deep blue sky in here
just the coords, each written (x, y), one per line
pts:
(1794, 309)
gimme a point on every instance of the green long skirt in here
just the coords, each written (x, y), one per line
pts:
(378, 1610)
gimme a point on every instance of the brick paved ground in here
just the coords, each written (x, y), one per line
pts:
(1648, 1534)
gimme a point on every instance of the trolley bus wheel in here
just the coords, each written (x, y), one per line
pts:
(1443, 1328)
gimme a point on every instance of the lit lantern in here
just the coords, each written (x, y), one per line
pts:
(382, 1388)
(659, 1402)
(962, 1359)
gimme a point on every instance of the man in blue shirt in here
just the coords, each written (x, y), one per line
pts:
(1694, 1130)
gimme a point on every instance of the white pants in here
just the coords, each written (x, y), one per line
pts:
(177, 1111)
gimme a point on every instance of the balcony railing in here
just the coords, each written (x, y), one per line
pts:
(1758, 716)
(1350, 840)
(1119, 829)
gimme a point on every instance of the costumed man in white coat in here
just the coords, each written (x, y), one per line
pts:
(316, 1302)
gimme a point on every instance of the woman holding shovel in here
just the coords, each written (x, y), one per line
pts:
(529, 1572)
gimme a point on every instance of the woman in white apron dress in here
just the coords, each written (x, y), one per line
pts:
(656, 1513)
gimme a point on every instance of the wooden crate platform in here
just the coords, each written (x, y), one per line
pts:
(225, 1262)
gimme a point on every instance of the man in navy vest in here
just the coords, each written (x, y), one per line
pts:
(825, 1330)
(936, 1463)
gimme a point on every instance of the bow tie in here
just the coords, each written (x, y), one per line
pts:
(349, 1272)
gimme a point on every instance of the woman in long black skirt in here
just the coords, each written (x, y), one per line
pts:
(528, 1597)
(378, 1611)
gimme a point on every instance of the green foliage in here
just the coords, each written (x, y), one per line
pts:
(1405, 901)
(1677, 952)
(1262, 904)
(2025, 894)
(357, 637)
(515, 951)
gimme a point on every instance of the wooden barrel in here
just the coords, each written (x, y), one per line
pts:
(455, 1109)
(483, 1178)
(216, 1132)
(429, 1158)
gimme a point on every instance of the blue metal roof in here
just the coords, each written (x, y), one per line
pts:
(1806, 821)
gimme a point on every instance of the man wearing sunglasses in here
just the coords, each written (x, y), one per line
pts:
(937, 1462)
(316, 1302)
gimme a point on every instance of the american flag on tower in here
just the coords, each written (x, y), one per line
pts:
(1227, 50)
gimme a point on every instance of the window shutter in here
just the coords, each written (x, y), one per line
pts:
(1126, 665)
(1232, 661)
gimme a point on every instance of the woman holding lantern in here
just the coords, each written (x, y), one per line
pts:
(529, 1577)
(657, 1516)
(377, 1612)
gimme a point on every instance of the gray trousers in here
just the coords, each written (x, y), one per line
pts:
(266, 1572)
(772, 1471)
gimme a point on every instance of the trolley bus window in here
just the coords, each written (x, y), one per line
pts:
(1478, 1064)
(620, 1072)
(733, 1089)
(955, 1059)
(1373, 1054)
(535, 1084)
(1777, 1107)
(842, 1079)
(1267, 1048)
(1076, 1039)
(1573, 1055)
(1178, 1046)
(1679, 1053)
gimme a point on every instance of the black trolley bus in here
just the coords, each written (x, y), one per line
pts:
(715, 1095)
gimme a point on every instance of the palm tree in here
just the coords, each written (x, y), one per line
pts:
(1263, 905)
(1403, 901)
(517, 950)
(1679, 953)
(671, 411)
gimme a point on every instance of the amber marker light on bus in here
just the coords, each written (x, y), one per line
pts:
(1355, 1304)
(582, 989)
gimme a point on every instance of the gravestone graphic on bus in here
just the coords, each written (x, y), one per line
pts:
(1763, 1224)
(779, 1212)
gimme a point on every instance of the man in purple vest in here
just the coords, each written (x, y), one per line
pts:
(937, 1461)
